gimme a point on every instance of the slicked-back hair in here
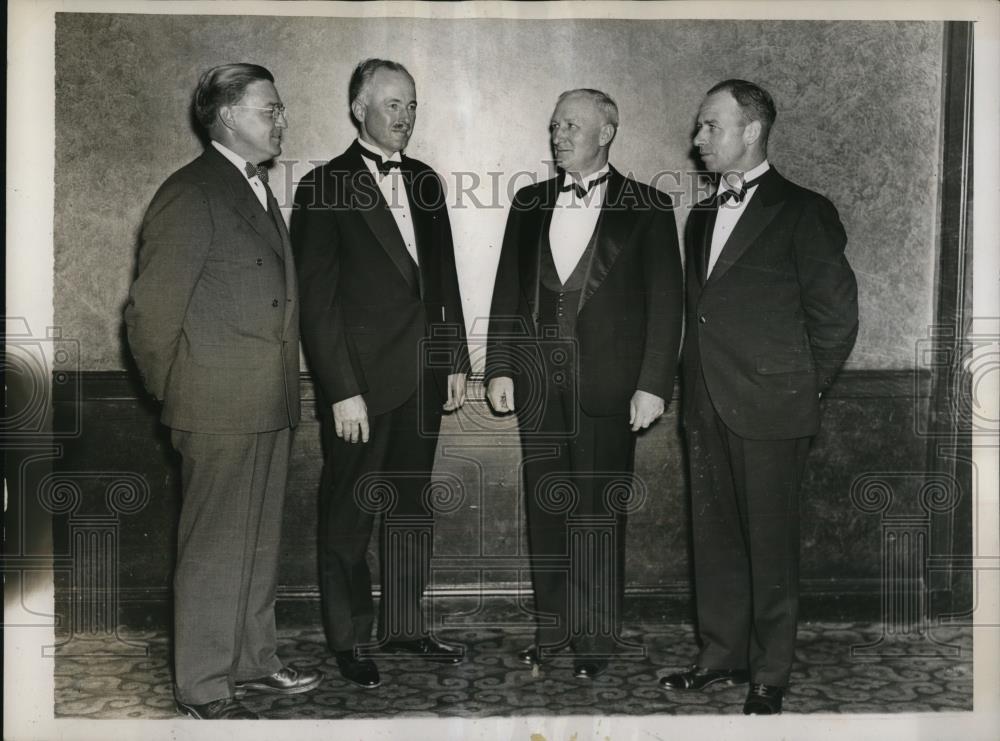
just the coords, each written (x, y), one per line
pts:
(224, 85)
(362, 76)
(754, 101)
(604, 102)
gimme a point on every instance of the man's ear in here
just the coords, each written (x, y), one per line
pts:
(607, 135)
(751, 132)
(225, 115)
(358, 109)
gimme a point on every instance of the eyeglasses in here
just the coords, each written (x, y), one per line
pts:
(277, 110)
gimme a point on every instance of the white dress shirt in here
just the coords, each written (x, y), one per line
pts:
(573, 223)
(730, 213)
(258, 187)
(391, 186)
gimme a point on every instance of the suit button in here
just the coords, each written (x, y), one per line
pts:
(260, 261)
(275, 303)
(703, 319)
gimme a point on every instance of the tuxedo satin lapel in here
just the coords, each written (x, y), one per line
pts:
(611, 233)
(244, 199)
(767, 201)
(375, 211)
(530, 267)
(422, 221)
(703, 228)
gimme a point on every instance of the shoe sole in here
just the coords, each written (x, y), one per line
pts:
(362, 686)
(242, 690)
(194, 716)
(437, 659)
(724, 682)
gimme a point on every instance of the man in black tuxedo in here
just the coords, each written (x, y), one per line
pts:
(212, 321)
(584, 331)
(771, 317)
(380, 308)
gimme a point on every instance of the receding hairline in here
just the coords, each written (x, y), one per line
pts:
(364, 91)
(603, 103)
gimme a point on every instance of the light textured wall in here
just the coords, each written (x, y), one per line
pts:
(859, 120)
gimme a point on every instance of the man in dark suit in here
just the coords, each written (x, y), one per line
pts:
(212, 321)
(771, 317)
(380, 308)
(584, 332)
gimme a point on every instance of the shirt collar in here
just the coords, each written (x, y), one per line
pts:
(238, 162)
(749, 175)
(394, 157)
(569, 179)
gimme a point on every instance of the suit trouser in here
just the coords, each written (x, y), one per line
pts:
(745, 523)
(574, 469)
(388, 475)
(228, 539)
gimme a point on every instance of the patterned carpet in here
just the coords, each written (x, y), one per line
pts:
(831, 675)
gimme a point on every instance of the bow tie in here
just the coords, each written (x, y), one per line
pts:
(580, 190)
(724, 196)
(383, 166)
(256, 171)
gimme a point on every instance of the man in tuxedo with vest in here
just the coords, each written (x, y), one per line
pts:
(771, 317)
(212, 321)
(584, 336)
(380, 309)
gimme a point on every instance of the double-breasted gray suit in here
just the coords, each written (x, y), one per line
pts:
(212, 321)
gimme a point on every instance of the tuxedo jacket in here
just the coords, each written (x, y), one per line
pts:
(373, 322)
(212, 316)
(773, 323)
(630, 313)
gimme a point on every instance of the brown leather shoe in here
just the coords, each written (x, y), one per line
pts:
(763, 699)
(285, 681)
(698, 677)
(225, 708)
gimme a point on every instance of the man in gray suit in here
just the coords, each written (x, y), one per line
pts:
(212, 321)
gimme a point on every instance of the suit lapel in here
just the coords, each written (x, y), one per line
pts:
(421, 218)
(531, 261)
(767, 201)
(375, 211)
(614, 226)
(291, 287)
(245, 201)
(704, 225)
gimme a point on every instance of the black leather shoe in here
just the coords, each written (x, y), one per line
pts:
(698, 678)
(532, 655)
(285, 681)
(225, 709)
(426, 648)
(362, 672)
(763, 699)
(588, 668)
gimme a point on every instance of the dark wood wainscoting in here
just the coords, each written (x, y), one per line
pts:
(873, 516)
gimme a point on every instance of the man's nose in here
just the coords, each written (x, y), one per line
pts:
(699, 138)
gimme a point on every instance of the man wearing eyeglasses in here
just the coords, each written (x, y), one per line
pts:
(384, 334)
(212, 321)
